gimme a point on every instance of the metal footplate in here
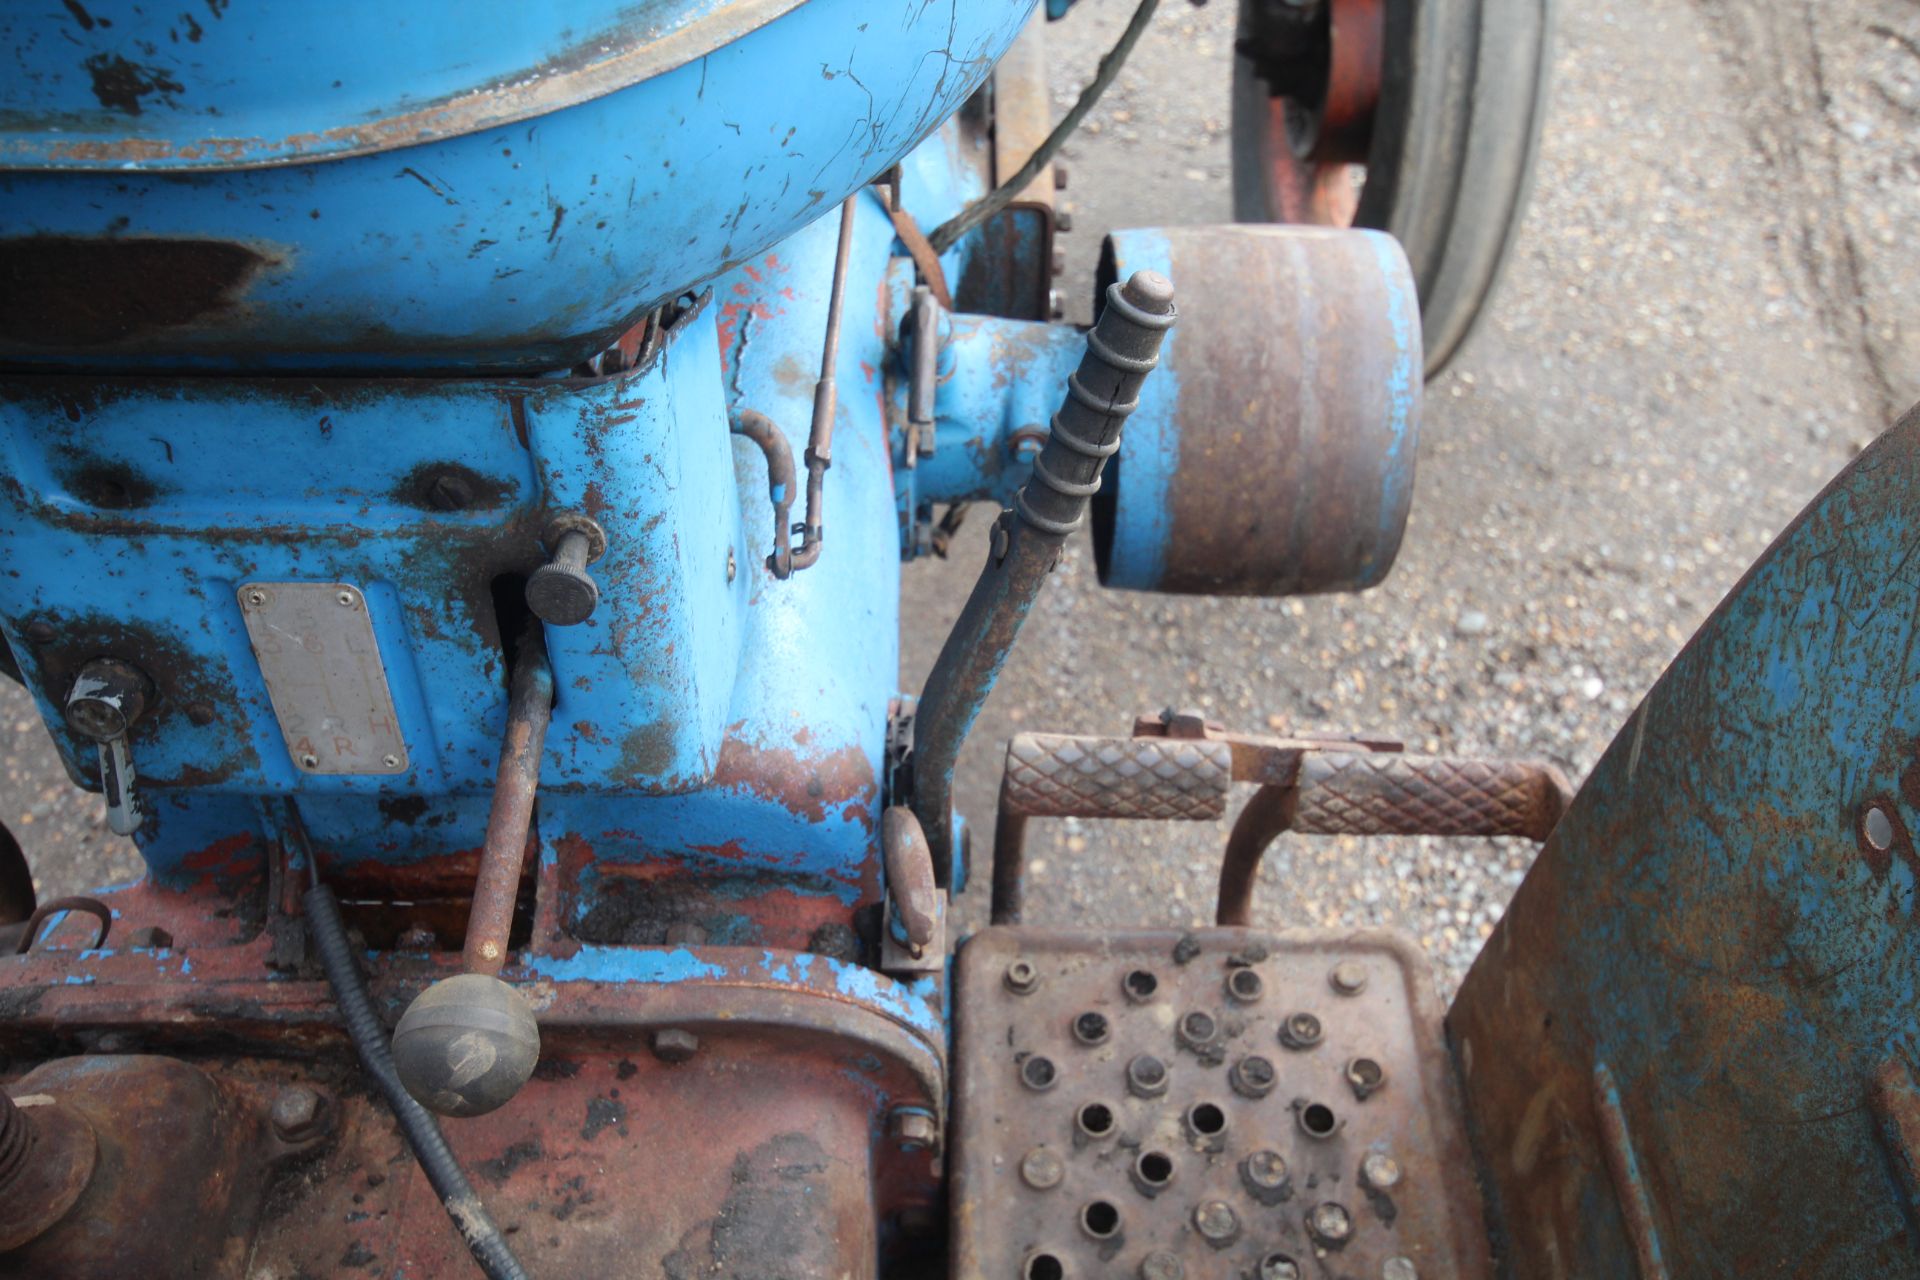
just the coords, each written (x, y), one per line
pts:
(1223, 1103)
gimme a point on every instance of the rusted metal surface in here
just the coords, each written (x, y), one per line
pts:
(181, 1172)
(1063, 775)
(594, 1168)
(911, 886)
(1122, 1099)
(1387, 793)
(1894, 1100)
(1393, 794)
(1122, 349)
(1356, 41)
(1279, 457)
(1623, 1169)
(1058, 775)
(510, 823)
(1722, 920)
(47, 1156)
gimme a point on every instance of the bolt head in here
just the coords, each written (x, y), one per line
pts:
(1159, 1265)
(1380, 1170)
(296, 1114)
(1042, 1169)
(1399, 1269)
(1349, 977)
(1330, 1224)
(913, 1129)
(345, 599)
(1216, 1222)
(1266, 1170)
(675, 1045)
(1301, 1031)
(1278, 1266)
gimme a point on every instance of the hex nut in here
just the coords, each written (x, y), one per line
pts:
(914, 1129)
(297, 1113)
(672, 1044)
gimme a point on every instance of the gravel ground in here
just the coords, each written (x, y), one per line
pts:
(1704, 319)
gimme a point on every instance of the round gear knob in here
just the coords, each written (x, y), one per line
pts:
(466, 1045)
(561, 592)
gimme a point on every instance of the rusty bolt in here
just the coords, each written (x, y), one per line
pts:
(1216, 1222)
(913, 1129)
(150, 936)
(1264, 1173)
(200, 713)
(1399, 1269)
(40, 631)
(448, 493)
(1022, 978)
(675, 1045)
(1349, 977)
(297, 1113)
(1060, 177)
(1380, 1171)
(1160, 1265)
(1042, 1169)
(1197, 1030)
(1278, 1266)
(1330, 1225)
(1059, 262)
(1063, 220)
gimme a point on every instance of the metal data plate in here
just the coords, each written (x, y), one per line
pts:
(1224, 1104)
(315, 645)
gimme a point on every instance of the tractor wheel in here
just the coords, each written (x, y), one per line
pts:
(1416, 117)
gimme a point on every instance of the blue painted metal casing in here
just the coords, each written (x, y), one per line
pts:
(508, 218)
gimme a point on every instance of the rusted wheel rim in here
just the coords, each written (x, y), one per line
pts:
(1316, 150)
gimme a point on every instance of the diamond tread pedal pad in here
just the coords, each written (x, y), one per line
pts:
(1222, 1103)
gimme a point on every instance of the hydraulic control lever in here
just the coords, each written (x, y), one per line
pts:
(107, 699)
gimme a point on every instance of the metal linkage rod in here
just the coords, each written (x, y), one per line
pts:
(529, 710)
(1122, 349)
(819, 455)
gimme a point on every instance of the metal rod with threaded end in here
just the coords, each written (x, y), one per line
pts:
(1122, 349)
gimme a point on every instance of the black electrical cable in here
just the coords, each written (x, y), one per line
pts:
(948, 233)
(422, 1131)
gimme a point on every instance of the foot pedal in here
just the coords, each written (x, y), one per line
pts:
(1221, 1103)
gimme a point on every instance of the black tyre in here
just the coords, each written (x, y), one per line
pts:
(1461, 94)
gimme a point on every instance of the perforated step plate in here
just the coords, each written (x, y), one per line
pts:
(1221, 1103)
